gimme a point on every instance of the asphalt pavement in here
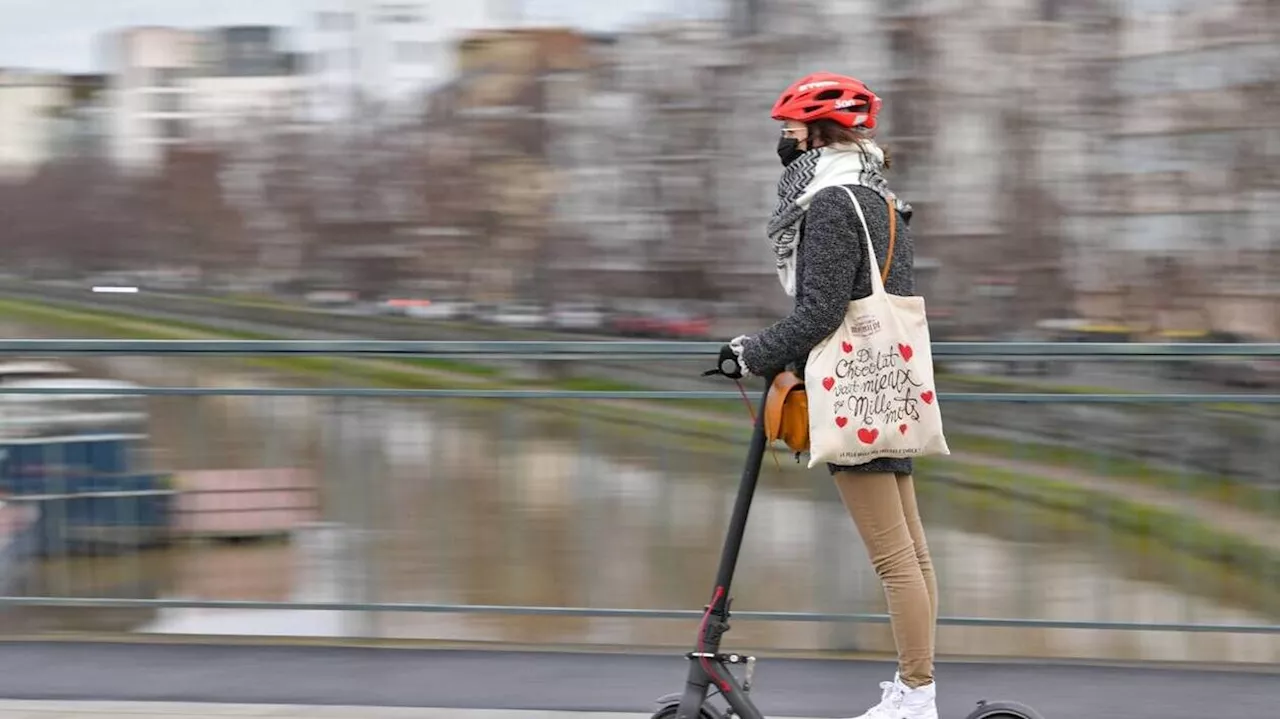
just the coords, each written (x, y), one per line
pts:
(196, 710)
(190, 710)
(443, 679)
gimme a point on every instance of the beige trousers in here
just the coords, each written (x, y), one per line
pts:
(883, 506)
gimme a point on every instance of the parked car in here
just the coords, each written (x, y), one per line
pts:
(1188, 368)
(1034, 366)
(520, 315)
(484, 312)
(577, 316)
(330, 298)
(1257, 372)
(633, 323)
(676, 324)
(441, 309)
(1249, 372)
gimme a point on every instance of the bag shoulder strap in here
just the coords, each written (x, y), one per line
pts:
(893, 231)
(893, 235)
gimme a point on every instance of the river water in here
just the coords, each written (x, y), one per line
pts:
(486, 502)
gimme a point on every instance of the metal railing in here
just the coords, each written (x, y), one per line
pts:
(614, 349)
(549, 509)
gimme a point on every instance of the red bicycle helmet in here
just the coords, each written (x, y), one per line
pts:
(828, 95)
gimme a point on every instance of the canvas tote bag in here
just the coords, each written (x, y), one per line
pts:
(870, 383)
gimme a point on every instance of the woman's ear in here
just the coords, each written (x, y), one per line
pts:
(814, 136)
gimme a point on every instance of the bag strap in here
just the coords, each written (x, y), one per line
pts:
(893, 235)
(893, 230)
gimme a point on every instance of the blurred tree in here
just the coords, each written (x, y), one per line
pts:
(204, 229)
(73, 215)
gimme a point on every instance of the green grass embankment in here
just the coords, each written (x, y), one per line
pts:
(112, 325)
(1228, 561)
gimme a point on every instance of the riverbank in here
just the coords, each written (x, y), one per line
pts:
(1201, 515)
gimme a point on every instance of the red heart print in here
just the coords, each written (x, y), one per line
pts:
(905, 351)
(902, 428)
(927, 397)
(867, 436)
(842, 421)
(846, 347)
(828, 383)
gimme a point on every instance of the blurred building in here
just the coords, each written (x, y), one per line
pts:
(1184, 228)
(387, 52)
(508, 119)
(244, 79)
(988, 110)
(150, 100)
(49, 116)
(29, 102)
(598, 232)
(80, 125)
(172, 86)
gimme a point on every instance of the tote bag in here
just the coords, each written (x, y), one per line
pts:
(870, 383)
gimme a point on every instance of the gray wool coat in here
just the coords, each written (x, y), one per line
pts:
(831, 271)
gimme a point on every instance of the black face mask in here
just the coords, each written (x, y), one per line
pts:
(788, 150)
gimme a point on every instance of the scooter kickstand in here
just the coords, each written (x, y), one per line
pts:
(748, 675)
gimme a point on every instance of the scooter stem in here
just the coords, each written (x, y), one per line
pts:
(741, 510)
(715, 622)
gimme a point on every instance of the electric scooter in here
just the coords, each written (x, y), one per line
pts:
(709, 668)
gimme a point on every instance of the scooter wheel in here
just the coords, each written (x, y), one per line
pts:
(1003, 710)
(669, 712)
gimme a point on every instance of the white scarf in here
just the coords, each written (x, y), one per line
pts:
(815, 170)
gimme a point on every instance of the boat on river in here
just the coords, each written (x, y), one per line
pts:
(79, 457)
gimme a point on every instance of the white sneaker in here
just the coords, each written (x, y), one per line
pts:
(898, 701)
(919, 703)
(890, 706)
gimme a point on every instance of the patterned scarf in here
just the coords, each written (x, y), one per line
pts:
(815, 170)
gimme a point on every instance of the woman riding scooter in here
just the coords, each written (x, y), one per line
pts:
(826, 145)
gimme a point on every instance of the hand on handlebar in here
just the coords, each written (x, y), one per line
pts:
(727, 365)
